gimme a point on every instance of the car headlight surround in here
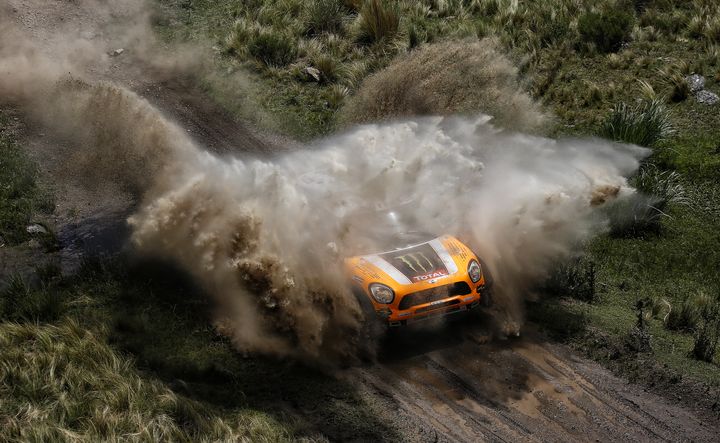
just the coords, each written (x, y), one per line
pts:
(381, 293)
(474, 271)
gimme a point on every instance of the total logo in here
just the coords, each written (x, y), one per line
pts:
(430, 276)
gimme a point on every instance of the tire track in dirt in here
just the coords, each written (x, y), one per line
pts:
(519, 390)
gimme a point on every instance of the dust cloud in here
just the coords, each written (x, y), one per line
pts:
(266, 238)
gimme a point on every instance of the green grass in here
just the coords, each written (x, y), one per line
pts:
(22, 199)
(129, 349)
(544, 39)
(645, 124)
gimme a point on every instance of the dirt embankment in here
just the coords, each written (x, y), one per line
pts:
(453, 383)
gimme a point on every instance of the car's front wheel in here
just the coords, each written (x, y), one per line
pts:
(486, 298)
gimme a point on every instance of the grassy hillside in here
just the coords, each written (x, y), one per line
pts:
(595, 67)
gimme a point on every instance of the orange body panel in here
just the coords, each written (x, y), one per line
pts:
(368, 269)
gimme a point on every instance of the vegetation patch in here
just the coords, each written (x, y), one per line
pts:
(22, 198)
(606, 30)
(128, 349)
(645, 124)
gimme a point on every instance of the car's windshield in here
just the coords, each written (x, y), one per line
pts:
(402, 240)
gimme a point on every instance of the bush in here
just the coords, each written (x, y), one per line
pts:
(467, 76)
(18, 302)
(327, 65)
(634, 216)
(378, 21)
(707, 331)
(607, 30)
(644, 125)
(643, 213)
(324, 16)
(679, 87)
(687, 315)
(712, 29)
(664, 185)
(574, 278)
(273, 48)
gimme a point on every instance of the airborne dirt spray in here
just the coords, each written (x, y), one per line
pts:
(267, 237)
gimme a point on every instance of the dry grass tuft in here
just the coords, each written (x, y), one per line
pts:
(61, 382)
(378, 20)
(447, 78)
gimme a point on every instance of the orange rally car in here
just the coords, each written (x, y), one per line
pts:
(423, 276)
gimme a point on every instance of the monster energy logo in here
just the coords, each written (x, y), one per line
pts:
(417, 262)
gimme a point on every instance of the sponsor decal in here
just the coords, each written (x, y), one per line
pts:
(430, 275)
(425, 262)
(416, 261)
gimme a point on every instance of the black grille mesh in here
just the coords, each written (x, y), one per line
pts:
(434, 294)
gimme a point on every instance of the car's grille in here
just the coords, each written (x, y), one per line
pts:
(434, 294)
(437, 306)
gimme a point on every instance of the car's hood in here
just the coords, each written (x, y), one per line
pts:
(417, 263)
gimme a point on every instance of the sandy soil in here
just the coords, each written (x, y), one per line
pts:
(447, 383)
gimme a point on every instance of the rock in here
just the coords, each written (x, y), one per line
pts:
(696, 82)
(312, 72)
(36, 229)
(707, 97)
(34, 244)
(117, 52)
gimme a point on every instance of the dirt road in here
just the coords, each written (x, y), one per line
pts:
(460, 385)
(451, 383)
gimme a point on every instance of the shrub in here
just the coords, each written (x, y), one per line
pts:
(329, 67)
(696, 26)
(707, 331)
(642, 214)
(664, 185)
(337, 96)
(21, 302)
(378, 21)
(679, 87)
(712, 29)
(638, 339)
(574, 278)
(324, 16)
(466, 76)
(241, 35)
(687, 315)
(644, 125)
(634, 216)
(607, 30)
(273, 48)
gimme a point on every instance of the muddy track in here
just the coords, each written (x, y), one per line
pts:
(463, 386)
(448, 383)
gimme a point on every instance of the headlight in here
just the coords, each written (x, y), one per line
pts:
(381, 293)
(474, 271)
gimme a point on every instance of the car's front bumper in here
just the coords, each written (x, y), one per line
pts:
(439, 308)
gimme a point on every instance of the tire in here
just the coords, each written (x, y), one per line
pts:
(373, 326)
(486, 299)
